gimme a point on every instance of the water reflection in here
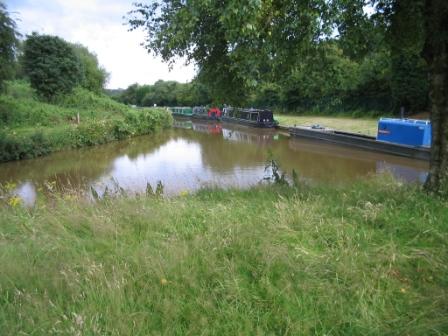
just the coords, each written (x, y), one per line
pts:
(198, 154)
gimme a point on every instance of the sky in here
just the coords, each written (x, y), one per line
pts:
(100, 26)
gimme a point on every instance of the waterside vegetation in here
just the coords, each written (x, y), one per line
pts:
(365, 259)
(31, 127)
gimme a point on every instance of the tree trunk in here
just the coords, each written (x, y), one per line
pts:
(437, 56)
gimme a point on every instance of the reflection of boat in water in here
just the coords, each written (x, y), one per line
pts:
(408, 174)
(179, 123)
(332, 157)
(249, 117)
(209, 128)
(248, 135)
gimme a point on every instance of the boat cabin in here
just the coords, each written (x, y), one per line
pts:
(181, 111)
(255, 115)
(211, 113)
(410, 132)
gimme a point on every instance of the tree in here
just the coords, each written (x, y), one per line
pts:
(436, 54)
(409, 70)
(51, 65)
(430, 17)
(8, 45)
(94, 76)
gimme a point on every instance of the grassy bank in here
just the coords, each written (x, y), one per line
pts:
(369, 259)
(358, 125)
(30, 127)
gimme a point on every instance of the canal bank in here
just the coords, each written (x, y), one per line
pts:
(30, 127)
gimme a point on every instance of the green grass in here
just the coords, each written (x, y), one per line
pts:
(367, 126)
(368, 259)
(30, 127)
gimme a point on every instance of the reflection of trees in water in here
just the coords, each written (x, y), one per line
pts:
(244, 150)
(78, 168)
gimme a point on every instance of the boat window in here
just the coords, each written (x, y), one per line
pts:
(266, 115)
(254, 116)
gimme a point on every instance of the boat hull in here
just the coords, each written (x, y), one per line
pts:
(361, 141)
(249, 122)
(205, 117)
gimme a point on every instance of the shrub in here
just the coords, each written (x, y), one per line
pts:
(51, 65)
(23, 147)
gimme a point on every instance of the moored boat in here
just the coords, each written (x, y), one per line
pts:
(184, 111)
(378, 144)
(249, 117)
(204, 113)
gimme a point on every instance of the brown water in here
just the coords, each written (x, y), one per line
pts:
(197, 154)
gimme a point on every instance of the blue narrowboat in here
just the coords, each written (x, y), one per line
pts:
(403, 137)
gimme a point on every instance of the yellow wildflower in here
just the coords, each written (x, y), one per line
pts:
(14, 201)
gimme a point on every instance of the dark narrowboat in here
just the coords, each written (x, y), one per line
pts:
(407, 137)
(249, 117)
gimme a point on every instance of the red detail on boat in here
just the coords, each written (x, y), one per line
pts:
(214, 112)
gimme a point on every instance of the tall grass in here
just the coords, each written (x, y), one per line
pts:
(369, 259)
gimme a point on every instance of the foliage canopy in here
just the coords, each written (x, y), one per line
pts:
(8, 45)
(313, 54)
(94, 76)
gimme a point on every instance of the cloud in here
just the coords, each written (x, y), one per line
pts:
(99, 25)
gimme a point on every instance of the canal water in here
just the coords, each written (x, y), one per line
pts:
(193, 155)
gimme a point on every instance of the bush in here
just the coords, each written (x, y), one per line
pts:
(51, 65)
(23, 147)
(82, 99)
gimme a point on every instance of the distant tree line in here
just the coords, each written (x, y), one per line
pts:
(166, 93)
